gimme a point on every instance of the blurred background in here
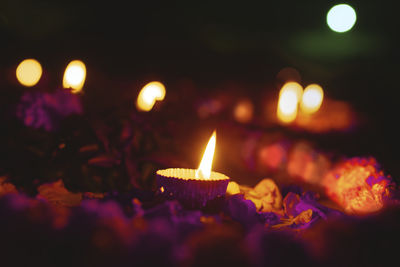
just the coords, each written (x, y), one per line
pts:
(242, 45)
(211, 56)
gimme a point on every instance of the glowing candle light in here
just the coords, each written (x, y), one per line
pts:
(29, 72)
(150, 93)
(294, 87)
(312, 99)
(74, 76)
(287, 107)
(289, 97)
(204, 170)
(194, 187)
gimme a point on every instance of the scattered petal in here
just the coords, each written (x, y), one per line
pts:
(57, 194)
(265, 195)
(358, 186)
(233, 188)
(6, 187)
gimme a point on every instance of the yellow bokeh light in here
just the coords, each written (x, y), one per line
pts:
(204, 170)
(341, 18)
(312, 99)
(289, 97)
(292, 86)
(74, 76)
(150, 93)
(29, 72)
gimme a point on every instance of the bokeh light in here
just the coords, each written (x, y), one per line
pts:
(289, 97)
(341, 18)
(29, 72)
(149, 94)
(287, 106)
(209, 107)
(294, 87)
(243, 111)
(312, 99)
(74, 76)
(273, 155)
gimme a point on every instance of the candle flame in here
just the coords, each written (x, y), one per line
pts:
(204, 170)
(312, 99)
(149, 94)
(289, 97)
(29, 72)
(74, 76)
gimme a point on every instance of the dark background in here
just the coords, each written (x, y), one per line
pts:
(246, 42)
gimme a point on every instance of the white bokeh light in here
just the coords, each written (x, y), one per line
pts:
(341, 18)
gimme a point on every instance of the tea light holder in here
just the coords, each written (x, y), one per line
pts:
(182, 185)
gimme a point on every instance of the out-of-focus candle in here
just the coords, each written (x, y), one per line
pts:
(312, 99)
(289, 97)
(150, 93)
(293, 87)
(29, 72)
(74, 76)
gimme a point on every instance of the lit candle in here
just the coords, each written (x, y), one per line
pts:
(312, 99)
(289, 98)
(74, 76)
(150, 93)
(29, 72)
(204, 170)
(194, 187)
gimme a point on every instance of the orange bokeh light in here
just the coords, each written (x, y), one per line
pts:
(273, 156)
(243, 111)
